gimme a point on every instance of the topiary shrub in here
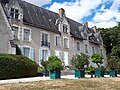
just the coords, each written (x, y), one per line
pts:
(97, 58)
(54, 63)
(79, 61)
(16, 66)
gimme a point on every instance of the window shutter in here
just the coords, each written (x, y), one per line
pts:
(57, 53)
(23, 34)
(55, 40)
(66, 58)
(48, 54)
(31, 54)
(18, 33)
(40, 55)
(30, 37)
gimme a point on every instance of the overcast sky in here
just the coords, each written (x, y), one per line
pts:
(100, 13)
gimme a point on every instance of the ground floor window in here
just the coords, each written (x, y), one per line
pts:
(44, 54)
(26, 51)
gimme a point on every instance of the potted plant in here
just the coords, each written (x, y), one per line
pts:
(90, 70)
(45, 64)
(54, 66)
(97, 58)
(78, 62)
(113, 62)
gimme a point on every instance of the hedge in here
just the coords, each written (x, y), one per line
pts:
(16, 66)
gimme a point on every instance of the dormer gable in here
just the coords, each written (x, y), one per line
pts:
(14, 11)
(62, 22)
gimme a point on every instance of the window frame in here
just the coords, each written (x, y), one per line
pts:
(24, 51)
(57, 41)
(86, 48)
(14, 14)
(78, 45)
(15, 30)
(24, 36)
(67, 44)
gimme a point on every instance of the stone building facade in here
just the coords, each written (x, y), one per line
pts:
(41, 33)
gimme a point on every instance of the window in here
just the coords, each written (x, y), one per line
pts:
(26, 34)
(14, 13)
(93, 50)
(44, 54)
(58, 54)
(45, 40)
(101, 52)
(15, 30)
(57, 41)
(45, 37)
(26, 51)
(86, 48)
(78, 45)
(65, 28)
(66, 43)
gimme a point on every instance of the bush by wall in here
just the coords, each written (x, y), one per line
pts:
(16, 66)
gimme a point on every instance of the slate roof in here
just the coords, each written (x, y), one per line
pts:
(45, 19)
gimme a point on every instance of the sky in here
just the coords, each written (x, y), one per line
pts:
(100, 13)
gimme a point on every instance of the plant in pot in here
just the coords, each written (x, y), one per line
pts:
(78, 62)
(97, 58)
(45, 64)
(90, 70)
(113, 65)
(54, 66)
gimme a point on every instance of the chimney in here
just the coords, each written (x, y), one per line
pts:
(61, 12)
(94, 28)
(86, 25)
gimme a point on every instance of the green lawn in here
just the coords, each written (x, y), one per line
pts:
(65, 84)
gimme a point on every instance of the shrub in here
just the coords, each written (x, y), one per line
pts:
(79, 61)
(16, 66)
(54, 64)
(97, 58)
(44, 64)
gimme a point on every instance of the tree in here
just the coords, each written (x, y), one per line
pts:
(79, 61)
(113, 62)
(97, 58)
(111, 38)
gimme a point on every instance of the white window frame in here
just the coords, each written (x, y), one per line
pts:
(14, 14)
(14, 25)
(55, 43)
(77, 45)
(60, 54)
(64, 42)
(93, 49)
(30, 35)
(86, 48)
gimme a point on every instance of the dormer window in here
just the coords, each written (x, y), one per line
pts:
(14, 13)
(65, 28)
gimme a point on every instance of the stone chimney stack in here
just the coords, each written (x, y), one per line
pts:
(61, 12)
(94, 28)
(86, 25)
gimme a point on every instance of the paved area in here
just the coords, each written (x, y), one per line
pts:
(33, 79)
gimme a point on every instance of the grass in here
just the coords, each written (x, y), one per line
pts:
(65, 84)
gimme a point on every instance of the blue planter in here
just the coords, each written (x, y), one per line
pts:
(106, 72)
(55, 75)
(79, 73)
(99, 73)
(113, 73)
